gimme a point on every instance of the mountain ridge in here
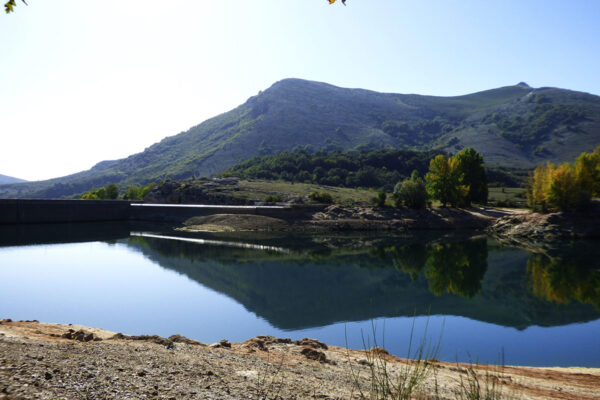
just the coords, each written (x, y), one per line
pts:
(5, 179)
(515, 126)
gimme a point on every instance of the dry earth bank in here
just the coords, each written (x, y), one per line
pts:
(338, 218)
(51, 361)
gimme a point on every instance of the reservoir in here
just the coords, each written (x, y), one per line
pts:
(466, 297)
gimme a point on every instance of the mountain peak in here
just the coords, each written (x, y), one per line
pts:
(503, 125)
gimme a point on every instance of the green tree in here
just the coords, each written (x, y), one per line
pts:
(473, 175)
(444, 180)
(132, 193)
(411, 193)
(112, 191)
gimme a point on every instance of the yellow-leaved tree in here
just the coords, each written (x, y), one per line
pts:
(444, 180)
(566, 187)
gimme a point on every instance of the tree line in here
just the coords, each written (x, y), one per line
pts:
(379, 169)
(566, 187)
(111, 192)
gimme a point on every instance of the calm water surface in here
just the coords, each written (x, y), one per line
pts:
(487, 302)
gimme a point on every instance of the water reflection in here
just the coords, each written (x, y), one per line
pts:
(454, 267)
(323, 280)
(565, 275)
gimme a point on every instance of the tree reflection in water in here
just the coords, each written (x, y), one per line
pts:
(566, 277)
(454, 267)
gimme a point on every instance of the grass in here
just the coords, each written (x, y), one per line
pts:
(507, 197)
(398, 384)
(262, 189)
(481, 386)
(408, 381)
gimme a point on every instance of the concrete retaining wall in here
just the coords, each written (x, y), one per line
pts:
(55, 211)
(67, 211)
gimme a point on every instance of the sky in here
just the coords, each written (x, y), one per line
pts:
(86, 81)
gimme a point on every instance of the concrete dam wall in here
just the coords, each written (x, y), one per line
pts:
(20, 211)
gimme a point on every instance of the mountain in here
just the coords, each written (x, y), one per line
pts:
(515, 126)
(9, 179)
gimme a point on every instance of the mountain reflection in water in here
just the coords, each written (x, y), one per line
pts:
(320, 280)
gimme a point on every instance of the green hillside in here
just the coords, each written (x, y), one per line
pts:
(514, 126)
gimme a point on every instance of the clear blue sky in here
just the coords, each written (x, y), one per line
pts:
(86, 81)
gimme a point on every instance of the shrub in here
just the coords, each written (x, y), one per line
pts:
(411, 193)
(379, 201)
(320, 197)
(273, 198)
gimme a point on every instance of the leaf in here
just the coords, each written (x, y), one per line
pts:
(9, 6)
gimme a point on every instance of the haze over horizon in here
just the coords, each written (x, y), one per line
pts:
(84, 82)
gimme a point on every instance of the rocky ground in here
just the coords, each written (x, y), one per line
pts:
(50, 361)
(338, 218)
(530, 226)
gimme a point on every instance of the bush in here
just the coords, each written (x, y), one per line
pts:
(274, 198)
(320, 197)
(379, 201)
(411, 193)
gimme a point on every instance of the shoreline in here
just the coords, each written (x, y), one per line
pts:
(43, 360)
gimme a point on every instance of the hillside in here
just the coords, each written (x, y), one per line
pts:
(516, 126)
(9, 179)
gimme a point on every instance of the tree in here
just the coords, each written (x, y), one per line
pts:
(412, 192)
(473, 175)
(112, 191)
(566, 187)
(444, 180)
(539, 187)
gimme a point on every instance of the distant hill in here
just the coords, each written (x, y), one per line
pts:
(515, 126)
(9, 179)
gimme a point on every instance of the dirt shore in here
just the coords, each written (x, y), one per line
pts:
(337, 218)
(51, 361)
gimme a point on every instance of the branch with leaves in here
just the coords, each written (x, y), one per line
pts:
(10, 5)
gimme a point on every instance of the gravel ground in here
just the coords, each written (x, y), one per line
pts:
(51, 361)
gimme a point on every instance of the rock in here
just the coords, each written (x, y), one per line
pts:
(223, 344)
(80, 335)
(183, 339)
(313, 354)
(311, 343)
(379, 350)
